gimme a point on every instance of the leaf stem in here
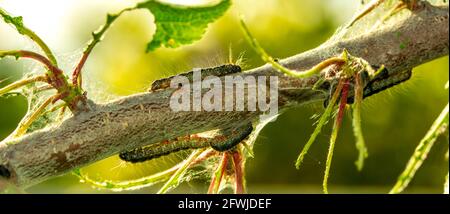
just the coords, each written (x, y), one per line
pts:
(140, 182)
(239, 176)
(367, 9)
(32, 55)
(43, 46)
(357, 130)
(439, 126)
(322, 121)
(218, 175)
(268, 59)
(21, 83)
(446, 184)
(96, 38)
(55, 77)
(334, 133)
(22, 29)
(177, 176)
(132, 184)
(27, 121)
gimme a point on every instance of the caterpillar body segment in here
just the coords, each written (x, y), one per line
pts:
(235, 137)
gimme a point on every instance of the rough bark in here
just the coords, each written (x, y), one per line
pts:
(146, 118)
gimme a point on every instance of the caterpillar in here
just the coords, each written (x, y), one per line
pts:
(226, 140)
(164, 148)
(235, 136)
(382, 81)
(213, 71)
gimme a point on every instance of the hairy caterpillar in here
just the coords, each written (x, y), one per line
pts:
(213, 71)
(235, 136)
(383, 80)
(164, 148)
(222, 142)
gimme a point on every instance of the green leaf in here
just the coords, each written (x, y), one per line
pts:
(178, 25)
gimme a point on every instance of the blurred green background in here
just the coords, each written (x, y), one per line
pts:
(394, 121)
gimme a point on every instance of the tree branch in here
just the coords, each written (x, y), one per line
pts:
(146, 118)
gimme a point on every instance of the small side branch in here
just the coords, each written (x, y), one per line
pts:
(96, 38)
